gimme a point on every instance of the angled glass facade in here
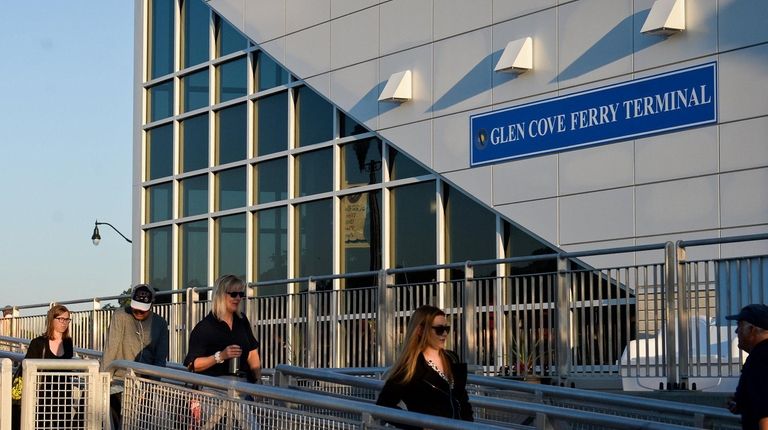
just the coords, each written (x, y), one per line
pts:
(247, 170)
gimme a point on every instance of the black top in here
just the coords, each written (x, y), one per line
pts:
(429, 393)
(39, 348)
(752, 391)
(211, 335)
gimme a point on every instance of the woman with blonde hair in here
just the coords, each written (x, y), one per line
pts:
(225, 334)
(427, 377)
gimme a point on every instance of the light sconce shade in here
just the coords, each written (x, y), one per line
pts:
(666, 17)
(96, 237)
(517, 56)
(399, 88)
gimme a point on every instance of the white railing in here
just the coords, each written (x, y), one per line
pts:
(6, 369)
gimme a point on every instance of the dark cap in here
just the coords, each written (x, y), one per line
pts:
(755, 314)
(142, 297)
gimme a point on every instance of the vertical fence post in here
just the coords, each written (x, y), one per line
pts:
(6, 367)
(311, 335)
(670, 353)
(469, 309)
(385, 330)
(95, 332)
(563, 318)
(683, 305)
(190, 316)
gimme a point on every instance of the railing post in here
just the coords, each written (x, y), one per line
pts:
(311, 335)
(670, 353)
(469, 309)
(190, 315)
(683, 305)
(563, 318)
(96, 305)
(385, 330)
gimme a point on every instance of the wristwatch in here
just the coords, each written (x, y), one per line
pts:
(217, 357)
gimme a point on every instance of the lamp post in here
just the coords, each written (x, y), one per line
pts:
(96, 237)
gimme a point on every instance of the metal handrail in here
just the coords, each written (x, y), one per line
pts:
(572, 415)
(291, 396)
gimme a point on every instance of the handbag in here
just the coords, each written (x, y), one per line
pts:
(18, 382)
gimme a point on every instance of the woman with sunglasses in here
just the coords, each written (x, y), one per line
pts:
(427, 377)
(225, 335)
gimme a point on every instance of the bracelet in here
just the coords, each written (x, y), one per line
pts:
(217, 357)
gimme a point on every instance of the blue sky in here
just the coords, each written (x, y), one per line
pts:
(66, 82)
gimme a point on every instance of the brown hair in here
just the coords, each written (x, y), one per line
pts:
(54, 312)
(416, 340)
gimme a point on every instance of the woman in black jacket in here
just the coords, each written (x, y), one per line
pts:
(426, 377)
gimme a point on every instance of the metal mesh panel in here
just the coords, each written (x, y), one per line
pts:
(186, 408)
(70, 400)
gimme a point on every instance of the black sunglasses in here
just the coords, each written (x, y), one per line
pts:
(236, 294)
(441, 329)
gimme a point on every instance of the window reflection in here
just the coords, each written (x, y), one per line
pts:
(401, 167)
(195, 33)
(228, 39)
(518, 243)
(361, 236)
(193, 267)
(160, 202)
(231, 134)
(269, 74)
(414, 238)
(271, 181)
(231, 189)
(230, 245)
(314, 238)
(271, 123)
(232, 80)
(314, 171)
(195, 93)
(161, 101)
(349, 127)
(361, 163)
(194, 137)
(470, 232)
(194, 195)
(272, 245)
(314, 118)
(159, 243)
(160, 152)
(161, 38)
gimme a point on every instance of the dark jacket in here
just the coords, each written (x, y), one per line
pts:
(752, 392)
(429, 393)
(38, 348)
(211, 335)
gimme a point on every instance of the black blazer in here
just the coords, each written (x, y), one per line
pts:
(38, 348)
(428, 393)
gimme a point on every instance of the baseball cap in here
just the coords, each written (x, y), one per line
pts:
(142, 297)
(755, 314)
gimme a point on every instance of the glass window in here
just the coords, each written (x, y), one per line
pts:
(159, 258)
(194, 148)
(195, 34)
(401, 167)
(269, 74)
(361, 236)
(361, 163)
(194, 195)
(272, 244)
(160, 101)
(230, 249)
(518, 243)
(160, 152)
(314, 238)
(413, 211)
(228, 39)
(271, 124)
(470, 232)
(195, 87)
(232, 80)
(314, 118)
(193, 266)
(160, 38)
(231, 134)
(160, 202)
(349, 127)
(314, 172)
(271, 181)
(231, 189)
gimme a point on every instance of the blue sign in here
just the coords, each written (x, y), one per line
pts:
(661, 103)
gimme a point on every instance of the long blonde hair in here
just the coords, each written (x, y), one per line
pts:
(54, 313)
(416, 341)
(220, 291)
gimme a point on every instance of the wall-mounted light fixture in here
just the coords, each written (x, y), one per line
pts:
(398, 88)
(517, 56)
(96, 237)
(666, 17)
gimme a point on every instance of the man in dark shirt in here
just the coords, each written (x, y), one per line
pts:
(751, 399)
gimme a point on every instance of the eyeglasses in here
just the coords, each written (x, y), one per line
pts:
(441, 329)
(63, 320)
(236, 294)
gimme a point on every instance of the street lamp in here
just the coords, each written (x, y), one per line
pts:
(96, 237)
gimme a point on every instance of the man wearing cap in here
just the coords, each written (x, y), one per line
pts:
(137, 334)
(751, 398)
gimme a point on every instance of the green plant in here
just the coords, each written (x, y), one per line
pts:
(525, 354)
